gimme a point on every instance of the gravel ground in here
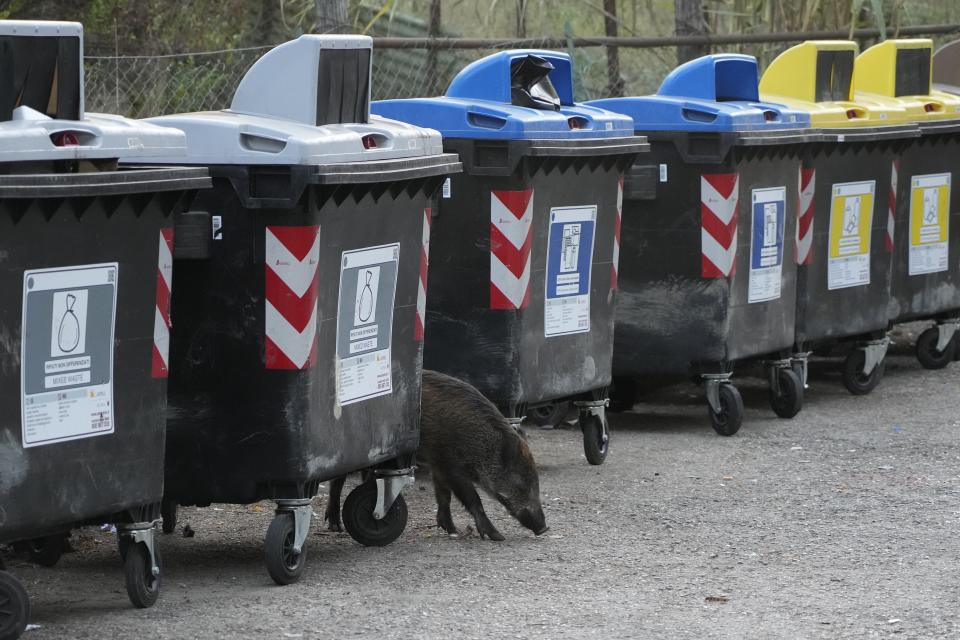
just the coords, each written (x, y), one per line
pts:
(840, 523)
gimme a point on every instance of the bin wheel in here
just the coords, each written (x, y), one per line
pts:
(927, 352)
(46, 551)
(853, 377)
(548, 415)
(359, 522)
(14, 607)
(143, 587)
(788, 402)
(284, 565)
(596, 439)
(168, 511)
(727, 421)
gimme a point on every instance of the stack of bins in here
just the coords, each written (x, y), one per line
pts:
(843, 253)
(524, 264)
(707, 272)
(85, 279)
(297, 351)
(926, 282)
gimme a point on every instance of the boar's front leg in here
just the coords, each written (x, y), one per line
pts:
(332, 515)
(442, 490)
(468, 495)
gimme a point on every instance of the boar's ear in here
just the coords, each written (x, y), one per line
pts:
(520, 430)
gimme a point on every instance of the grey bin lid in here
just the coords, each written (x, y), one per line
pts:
(305, 102)
(41, 102)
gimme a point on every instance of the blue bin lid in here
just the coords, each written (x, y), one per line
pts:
(479, 105)
(714, 93)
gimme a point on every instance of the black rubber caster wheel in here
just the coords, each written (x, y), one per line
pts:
(168, 511)
(14, 607)
(46, 551)
(727, 422)
(927, 352)
(359, 522)
(855, 380)
(143, 588)
(596, 439)
(623, 395)
(284, 565)
(788, 402)
(548, 415)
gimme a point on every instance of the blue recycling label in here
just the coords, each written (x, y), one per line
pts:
(569, 257)
(766, 246)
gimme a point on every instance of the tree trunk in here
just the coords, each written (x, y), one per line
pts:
(433, 82)
(332, 16)
(614, 81)
(521, 29)
(690, 21)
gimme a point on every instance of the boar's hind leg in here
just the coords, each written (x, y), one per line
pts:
(332, 515)
(471, 500)
(442, 491)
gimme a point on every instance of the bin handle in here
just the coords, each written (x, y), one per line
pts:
(698, 115)
(485, 120)
(261, 143)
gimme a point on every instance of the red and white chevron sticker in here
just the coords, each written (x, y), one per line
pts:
(719, 197)
(159, 367)
(615, 267)
(807, 188)
(511, 236)
(292, 257)
(420, 319)
(892, 204)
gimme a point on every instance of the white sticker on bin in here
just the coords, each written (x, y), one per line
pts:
(368, 282)
(569, 260)
(766, 246)
(66, 374)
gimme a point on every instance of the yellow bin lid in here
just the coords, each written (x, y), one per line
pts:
(817, 77)
(899, 72)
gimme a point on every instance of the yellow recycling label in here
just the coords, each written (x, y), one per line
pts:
(851, 218)
(929, 223)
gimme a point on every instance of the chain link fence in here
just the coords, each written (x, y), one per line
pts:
(139, 86)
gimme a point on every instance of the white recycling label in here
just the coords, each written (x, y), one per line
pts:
(929, 224)
(368, 283)
(766, 246)
(67, 353)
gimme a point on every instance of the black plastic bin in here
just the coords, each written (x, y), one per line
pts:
(85, 281)
(844, 254)
(297, 350)
(708, 272)
(523, 262)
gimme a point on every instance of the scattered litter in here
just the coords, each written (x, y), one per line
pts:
(32, 627)
(885, 467)
(727, 478)
(292, 635)
(108, 527)
(717, 599)
(893, 620)
(217, 509)
(256, 508)
(796, 448)
(556, 536)
(897, 429)
(188, 531)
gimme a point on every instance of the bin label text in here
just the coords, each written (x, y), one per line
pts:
(368, 283)
(766, 251)
(851, 219)
(569, 257)
(67, 353)
(929, 223)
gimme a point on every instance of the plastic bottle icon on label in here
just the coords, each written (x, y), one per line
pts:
(365, 302)
(68, 335)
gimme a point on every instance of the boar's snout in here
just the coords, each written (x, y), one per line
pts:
(533, 520)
